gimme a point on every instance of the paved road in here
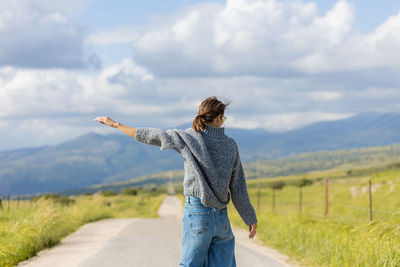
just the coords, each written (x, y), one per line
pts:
(142, 242)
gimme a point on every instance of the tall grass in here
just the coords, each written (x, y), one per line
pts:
(33, 226)
(346, 237)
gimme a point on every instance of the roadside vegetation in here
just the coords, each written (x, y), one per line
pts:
(337, 232)
(28, 226)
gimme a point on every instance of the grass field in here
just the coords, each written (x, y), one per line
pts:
(32, 226)
(346, 237)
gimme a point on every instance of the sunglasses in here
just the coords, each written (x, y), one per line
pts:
(224, 119)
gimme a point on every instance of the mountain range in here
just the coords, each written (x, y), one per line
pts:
(93, 158)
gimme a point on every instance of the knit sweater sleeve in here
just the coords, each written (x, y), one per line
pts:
(169, 139)
(239, 193)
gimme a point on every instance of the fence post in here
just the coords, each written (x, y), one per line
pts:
(273, 199)
(1, 204)
(258, 186)
(326, 198)
(370, 200)
(9, 200)
(300, 200)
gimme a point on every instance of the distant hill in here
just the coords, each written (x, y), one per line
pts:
(94, 158)
(363, 130)
(358, 161)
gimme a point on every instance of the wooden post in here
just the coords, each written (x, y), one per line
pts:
(273, 199)
(300, 199)
(258, 186)
(9, 200)
(1, 204)
(326, 198)
(370, 200)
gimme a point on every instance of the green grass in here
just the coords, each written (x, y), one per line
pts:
(33, 226)
(346, 237)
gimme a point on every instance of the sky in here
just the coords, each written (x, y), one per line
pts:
(282, 64)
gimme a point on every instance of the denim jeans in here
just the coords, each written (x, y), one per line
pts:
(207, 237)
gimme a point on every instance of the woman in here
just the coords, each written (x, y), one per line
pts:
(213, 175)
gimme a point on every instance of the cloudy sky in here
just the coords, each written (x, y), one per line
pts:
(283, 64)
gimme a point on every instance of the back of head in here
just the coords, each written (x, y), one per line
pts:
(209, 109)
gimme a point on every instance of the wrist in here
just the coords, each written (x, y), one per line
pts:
(115, 124)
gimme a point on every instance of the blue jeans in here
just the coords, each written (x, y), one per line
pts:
(207, 237)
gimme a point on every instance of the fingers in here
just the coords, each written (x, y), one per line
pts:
(252, 230)
(252, 234)
(100, 119)
(104, 120)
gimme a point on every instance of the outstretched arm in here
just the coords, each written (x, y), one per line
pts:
(169, 139)
(127, 130)
(123, 128)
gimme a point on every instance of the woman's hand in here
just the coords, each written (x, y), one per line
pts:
(107, 121)
(252, 230)
(123, 128)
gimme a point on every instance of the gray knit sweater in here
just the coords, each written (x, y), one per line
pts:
(212, 166)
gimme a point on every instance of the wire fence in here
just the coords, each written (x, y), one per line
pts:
(359, 201)
(7, 203)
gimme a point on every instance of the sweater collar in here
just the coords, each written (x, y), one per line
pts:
(215, 131)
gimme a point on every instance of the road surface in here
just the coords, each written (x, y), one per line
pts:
(153, 242)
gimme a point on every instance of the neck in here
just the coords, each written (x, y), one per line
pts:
(213, 130)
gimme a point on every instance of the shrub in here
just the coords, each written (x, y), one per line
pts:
(277, 185)
(108, 193)
(64, 200)
(303, 182)
(129, 191)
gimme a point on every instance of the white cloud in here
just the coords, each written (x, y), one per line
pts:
(266, 38)
(56, 92)
(325, 95)
(130, 90)
(40, 34)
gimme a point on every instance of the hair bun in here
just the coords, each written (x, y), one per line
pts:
(208, 110)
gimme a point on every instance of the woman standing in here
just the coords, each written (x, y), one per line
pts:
(213, 175)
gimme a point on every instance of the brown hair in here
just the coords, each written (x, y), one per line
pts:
(209, 109)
